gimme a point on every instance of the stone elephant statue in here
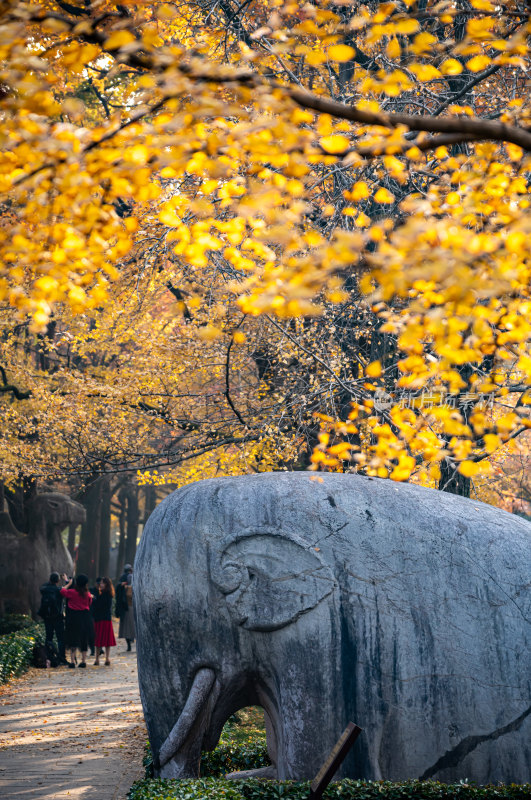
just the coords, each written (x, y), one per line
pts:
(27, 559)
(333, 599)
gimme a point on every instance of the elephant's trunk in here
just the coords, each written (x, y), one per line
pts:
(195, 704)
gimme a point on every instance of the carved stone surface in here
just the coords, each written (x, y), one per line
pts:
(26, 560)
(336, 599)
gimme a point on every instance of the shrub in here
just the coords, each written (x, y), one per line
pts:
(210, 788)
(216, 789)
(231, 757)
(16, 650)
(147, 761)
(245, 749)
(14, 622)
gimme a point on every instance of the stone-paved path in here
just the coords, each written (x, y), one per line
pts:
(70, 734)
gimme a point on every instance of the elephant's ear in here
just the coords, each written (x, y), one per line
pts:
(270, 580)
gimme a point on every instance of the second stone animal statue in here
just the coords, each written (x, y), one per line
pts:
(333, 599)
(27, 559)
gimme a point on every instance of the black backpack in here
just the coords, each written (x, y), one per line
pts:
(120, 603)
(45, 655)
(39, 656)
(52, 655)
(48, 608)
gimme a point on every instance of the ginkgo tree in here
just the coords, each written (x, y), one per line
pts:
(307, 152)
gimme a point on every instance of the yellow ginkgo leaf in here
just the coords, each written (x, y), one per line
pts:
(384, 196)
(341, 52)
(393, 48)
(492, 442)
(373, 370)
(425, 72)
(478, 63)
(315, 58)
(451, 67)
(334, 144)
(166, 12)
(168, 216)
(406, 26)
(119, 39)
(359, 191)
(423, 43)
(209, 333)
(468, 468)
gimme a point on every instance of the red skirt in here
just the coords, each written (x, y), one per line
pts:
(104, 634)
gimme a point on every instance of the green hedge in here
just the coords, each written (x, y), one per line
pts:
(14, 622)
(16, 650)
(216, 789)
(244, 748)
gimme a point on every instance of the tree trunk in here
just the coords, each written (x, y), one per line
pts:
(452, 481)
(122, 499)
(133, 519)
(105, 528)
(18, 501)
(89, 541)
(150, 500)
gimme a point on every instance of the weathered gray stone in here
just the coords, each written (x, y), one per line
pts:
(26, 560)
(331, 599)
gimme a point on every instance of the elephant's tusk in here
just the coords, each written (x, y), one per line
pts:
(199, 694)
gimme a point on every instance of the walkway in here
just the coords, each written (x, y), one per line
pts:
(70, 734)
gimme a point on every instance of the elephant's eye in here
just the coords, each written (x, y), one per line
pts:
(252, 575)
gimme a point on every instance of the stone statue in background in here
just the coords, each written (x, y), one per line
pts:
(26, 560)
(336, 598)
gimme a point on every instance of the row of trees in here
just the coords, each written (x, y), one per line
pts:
(250, 236)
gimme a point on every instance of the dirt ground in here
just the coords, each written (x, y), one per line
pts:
(72, 733)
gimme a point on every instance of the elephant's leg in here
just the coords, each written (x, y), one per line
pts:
(179, 755)
(271, 740)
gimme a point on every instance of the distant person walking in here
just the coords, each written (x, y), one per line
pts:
(101, 611)
(51, 611)
(124, 606)
(78, 620)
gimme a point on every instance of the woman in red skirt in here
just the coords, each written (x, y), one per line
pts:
(101, 611)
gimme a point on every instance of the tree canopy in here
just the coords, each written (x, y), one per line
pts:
(248, 235)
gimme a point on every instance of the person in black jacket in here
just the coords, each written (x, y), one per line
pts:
(124, 606)
(102, 610)
(94, 590)
(51, 611)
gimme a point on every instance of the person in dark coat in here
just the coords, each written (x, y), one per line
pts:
(124, 606)
(94, 590)
(101, 610)
(51, 611)
(79, 622)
